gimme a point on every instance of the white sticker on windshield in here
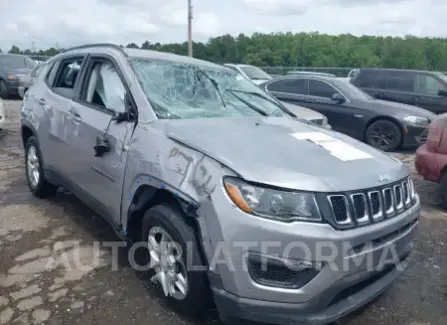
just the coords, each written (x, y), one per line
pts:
(337, 148)
(239, 77)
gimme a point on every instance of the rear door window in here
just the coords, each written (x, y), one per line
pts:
(291, 86)
(67, 76)
(321, 89)
(400, 81)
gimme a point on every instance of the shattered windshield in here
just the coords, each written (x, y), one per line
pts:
(179, 90)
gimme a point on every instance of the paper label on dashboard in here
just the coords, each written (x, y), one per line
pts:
(337, 148)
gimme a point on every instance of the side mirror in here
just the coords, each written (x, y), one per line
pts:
(337, 97)
(442, 92)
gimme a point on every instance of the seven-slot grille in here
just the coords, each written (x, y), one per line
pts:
(372, 205)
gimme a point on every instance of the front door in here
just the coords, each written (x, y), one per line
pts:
(101, 96)
(342, 117)
(426, 95)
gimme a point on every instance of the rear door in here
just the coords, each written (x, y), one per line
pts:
(101, 96)
(293, 90)
(426, 88)
(56, 102)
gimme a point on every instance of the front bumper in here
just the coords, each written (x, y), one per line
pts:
(347, 296)
(13, 87)
(344, 284)
(414, 136)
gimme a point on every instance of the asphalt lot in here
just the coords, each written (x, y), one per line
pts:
(40, 240)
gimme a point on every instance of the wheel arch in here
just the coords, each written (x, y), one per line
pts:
(147, 196)
(384, 117)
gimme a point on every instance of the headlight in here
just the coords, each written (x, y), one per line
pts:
(270, 203)
(417, 120)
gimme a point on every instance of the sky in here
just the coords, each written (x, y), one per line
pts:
(40, 24)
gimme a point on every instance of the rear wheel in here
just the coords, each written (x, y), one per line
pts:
(384, 135)
(171, 245)
(37, 183)
(4, 91)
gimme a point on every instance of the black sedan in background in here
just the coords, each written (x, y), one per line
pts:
(382, 124)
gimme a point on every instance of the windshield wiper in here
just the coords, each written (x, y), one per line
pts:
(254, 93)
(216, 86)
(246, 102)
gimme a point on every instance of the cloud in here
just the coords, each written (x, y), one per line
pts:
(47, 22)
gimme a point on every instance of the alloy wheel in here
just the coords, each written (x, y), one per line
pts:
(166, 260)
(33, 166)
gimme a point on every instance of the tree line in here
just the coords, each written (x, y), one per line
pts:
(305, 50)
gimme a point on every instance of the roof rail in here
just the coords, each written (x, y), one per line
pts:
(114, 46)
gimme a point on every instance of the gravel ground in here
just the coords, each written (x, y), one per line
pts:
(41, 239)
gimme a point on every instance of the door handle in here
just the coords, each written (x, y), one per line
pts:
(311, 100)
(415, 98)
(75, 115)
(42, 101)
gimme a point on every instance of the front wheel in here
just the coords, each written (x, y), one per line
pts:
(384, 135)
(174, 253)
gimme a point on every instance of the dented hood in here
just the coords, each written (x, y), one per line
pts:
(287, 153)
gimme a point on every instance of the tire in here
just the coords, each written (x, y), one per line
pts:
(4, 91)
(38, 185)
(171, 219)
(384, 135)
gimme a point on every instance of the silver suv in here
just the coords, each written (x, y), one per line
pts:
(277, 219)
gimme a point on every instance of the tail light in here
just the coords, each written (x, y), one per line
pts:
(434, 135)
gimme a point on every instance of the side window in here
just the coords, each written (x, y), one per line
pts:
(427, 85)
(321, 89)
(68, 73)
(104, 87)
(51, 74)
(291, 86)
(369, 79)
(400, 81)
(39, 70)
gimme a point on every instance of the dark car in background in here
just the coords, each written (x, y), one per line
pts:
(13, 67)
(382, 124)
(27, 80)
(426, 89)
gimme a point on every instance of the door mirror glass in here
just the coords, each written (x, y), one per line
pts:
(337, 97)
(442, 92)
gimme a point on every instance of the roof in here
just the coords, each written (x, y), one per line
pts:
(146, 54)
(394, 70)
(305, 76)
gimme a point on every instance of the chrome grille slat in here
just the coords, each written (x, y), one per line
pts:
(398, 197)
(360, 216)
(375, 215)
(372, 205)
(344, 217)
(385, 192)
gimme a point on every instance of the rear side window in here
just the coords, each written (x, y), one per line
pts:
(51, 74)
(67, 76)
(291, 86)
(400, 81)
(369, 78)
(320, 89)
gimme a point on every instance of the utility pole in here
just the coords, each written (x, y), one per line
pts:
(189, 28)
